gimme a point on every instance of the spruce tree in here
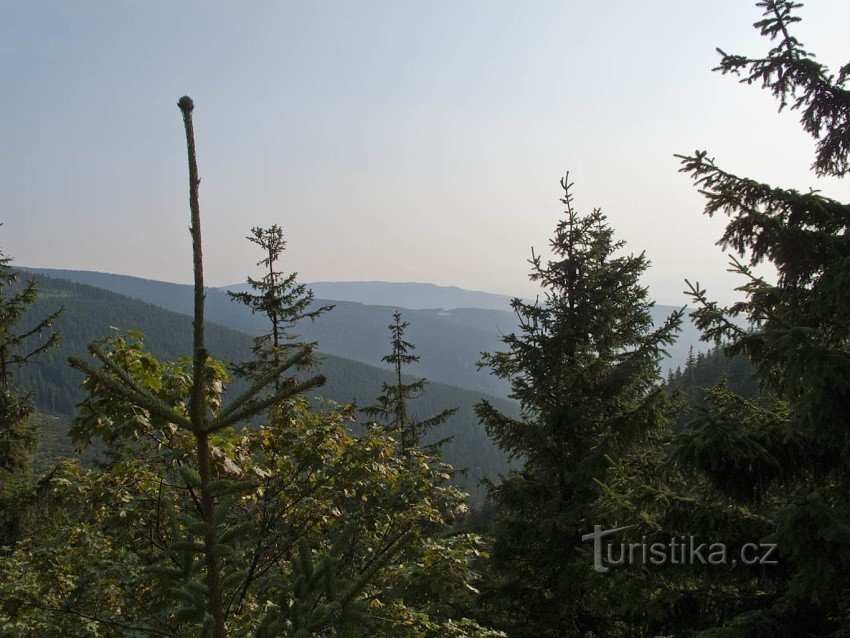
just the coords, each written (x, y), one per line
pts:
(795, 464)
(19, 345)
(281, 298)
(584, 368)
(202, 578)
(393, 405)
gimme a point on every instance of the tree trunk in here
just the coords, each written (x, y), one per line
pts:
(197, 399)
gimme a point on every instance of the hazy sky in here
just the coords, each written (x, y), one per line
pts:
(407, 141)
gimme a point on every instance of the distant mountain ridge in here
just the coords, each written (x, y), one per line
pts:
(449, 342)
(449, 339)
(404, 294)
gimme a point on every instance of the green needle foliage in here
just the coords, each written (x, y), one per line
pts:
(795, 77)
(765, 464)
(318, 531)
(21, 341)
(282, 299)
(794, 465)
(18, 438)
(585, 369)
(18, 344)
(393, 405)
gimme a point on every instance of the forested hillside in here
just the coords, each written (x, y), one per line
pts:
(92, 313)
(450, 340)
(705, 370)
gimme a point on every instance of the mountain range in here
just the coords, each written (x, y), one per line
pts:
(408, 294)
(450, 335)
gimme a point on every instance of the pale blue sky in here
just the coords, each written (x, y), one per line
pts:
(417, 141)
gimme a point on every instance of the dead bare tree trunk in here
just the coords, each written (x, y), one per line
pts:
(197, 399)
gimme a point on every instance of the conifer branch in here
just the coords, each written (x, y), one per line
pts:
(121, 389)
(799, 82)
(375, 565)
(197, 399)
(263, 381)
(252, 408)
(145, 398)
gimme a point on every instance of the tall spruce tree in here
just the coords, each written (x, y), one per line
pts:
(393, 405)
(281, 298)
(196, 568)
(584, 368)
(19, 345)
(796, 463)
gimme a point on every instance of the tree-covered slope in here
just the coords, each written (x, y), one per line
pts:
(450, 342)
(91, 313)
(449, 339)
(704, 370)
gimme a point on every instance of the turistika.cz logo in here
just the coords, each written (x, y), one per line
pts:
(679, 550)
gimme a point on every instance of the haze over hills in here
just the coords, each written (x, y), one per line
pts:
(407, 294)
(92, 313)
(448, 339)
(449, 342)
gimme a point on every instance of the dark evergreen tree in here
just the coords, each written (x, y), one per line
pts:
(20, 344)
(21, 340)
(393, 405)
(795, 465)
(282, 299)
(585, 369)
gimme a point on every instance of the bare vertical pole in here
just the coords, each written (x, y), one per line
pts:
(199, 350)
(197, 399)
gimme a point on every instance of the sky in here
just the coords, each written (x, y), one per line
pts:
(392, 140)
